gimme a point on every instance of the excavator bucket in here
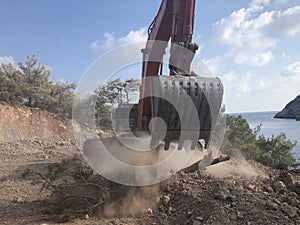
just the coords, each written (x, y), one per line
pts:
(189, 107)
(205, 99)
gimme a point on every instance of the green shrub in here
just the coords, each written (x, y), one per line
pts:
(275, 151)
(240, 138)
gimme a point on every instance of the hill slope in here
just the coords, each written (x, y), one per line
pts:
(291, 110)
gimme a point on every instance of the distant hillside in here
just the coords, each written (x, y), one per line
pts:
(291, 110)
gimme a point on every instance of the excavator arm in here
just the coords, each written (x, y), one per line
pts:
(174, 24)
(175, 21)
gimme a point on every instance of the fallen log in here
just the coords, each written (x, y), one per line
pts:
(220, 159)
(192, 168)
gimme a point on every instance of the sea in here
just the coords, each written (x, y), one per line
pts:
(271, 126)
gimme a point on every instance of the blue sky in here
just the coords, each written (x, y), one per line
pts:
(253, 45)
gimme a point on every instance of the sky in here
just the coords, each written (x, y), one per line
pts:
(252, 45)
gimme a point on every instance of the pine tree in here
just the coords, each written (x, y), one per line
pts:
(11, 84)
(37, 85)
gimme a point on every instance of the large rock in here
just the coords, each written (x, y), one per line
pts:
(291, 110)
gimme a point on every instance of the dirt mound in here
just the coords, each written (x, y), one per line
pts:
(23, 123)
(200, 198)
(204, 199)
(235, 192)
(186, 198)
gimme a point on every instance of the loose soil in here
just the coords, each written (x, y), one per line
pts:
(234, 192)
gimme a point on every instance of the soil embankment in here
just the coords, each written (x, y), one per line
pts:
(24, 123)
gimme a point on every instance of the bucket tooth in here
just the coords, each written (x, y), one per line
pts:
(167, 144)
(194, 144)
(180, 145)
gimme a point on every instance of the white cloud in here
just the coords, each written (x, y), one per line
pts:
(217, 64)
(110, 41)
(245, 83)
(254, 36)
(244, 87)
(292, 71)
(134, 36)
(255, 92)
(257, 5)
(7, 60)
(229, 77)
(253, 32)
(260, 83)
(256, 58)
(285, 22)
(238, 84)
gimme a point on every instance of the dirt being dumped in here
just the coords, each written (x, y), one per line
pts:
(234, 192)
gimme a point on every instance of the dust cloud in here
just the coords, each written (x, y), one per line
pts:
(126, 200)
(132, 201)
(236, 167)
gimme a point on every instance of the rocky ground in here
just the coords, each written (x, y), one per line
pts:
(233, 192)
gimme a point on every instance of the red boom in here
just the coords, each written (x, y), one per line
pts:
(175, 20)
